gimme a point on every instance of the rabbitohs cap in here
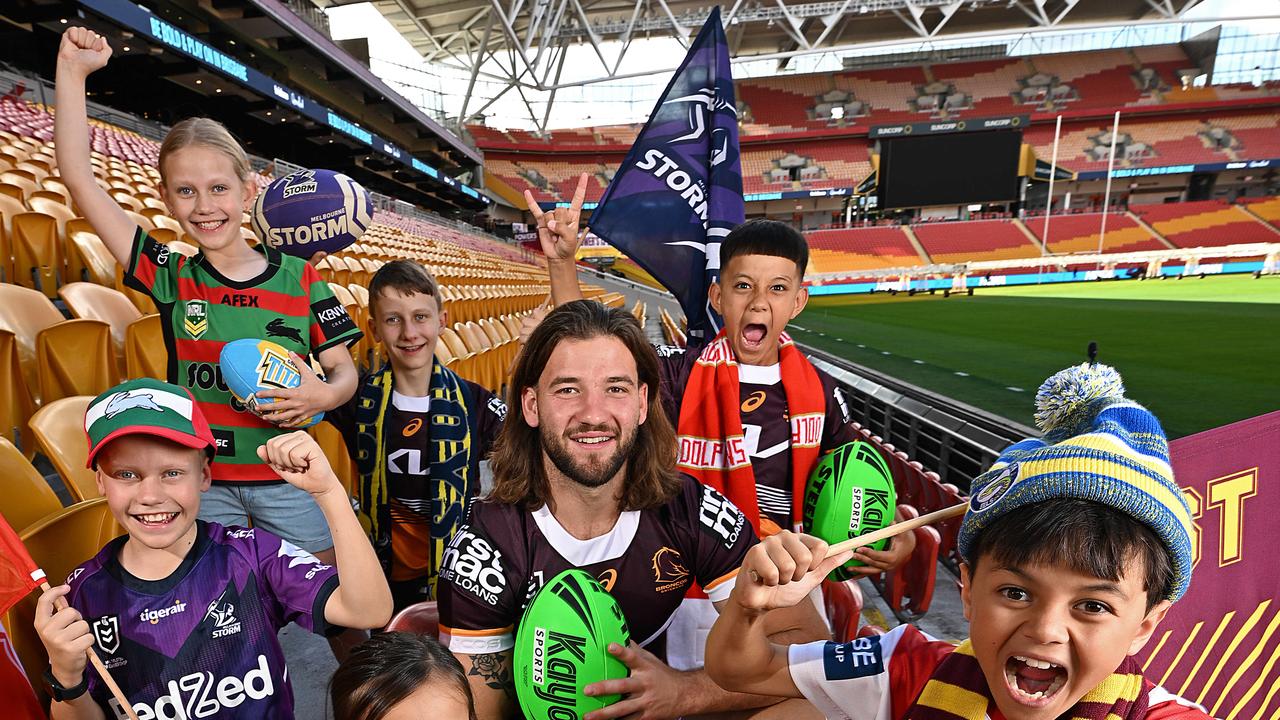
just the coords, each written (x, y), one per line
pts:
(148, 407)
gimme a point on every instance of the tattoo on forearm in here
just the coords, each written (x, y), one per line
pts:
(495, 671)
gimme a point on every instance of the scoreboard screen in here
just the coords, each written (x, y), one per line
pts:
(949, 169)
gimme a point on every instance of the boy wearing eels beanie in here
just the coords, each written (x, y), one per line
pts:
(1075, 547)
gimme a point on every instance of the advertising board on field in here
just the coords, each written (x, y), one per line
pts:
(1220, 645)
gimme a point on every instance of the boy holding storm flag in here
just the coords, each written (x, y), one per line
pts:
(752, 414)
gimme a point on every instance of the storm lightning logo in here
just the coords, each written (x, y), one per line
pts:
(699, 105)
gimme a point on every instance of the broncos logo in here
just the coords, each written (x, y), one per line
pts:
(669, 571)
(127, 400)
(278, 328)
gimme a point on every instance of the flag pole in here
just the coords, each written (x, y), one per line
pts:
(96, 661)
(1106, 197)
(1048, 205)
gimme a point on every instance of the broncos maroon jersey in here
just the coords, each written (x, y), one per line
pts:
(503, 554)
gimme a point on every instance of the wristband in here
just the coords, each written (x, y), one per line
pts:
(63, 694)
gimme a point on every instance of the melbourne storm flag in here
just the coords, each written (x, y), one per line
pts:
(679, 192)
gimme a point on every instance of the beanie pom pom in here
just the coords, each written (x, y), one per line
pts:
(1069, 390)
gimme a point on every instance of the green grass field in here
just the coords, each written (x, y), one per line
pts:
(1199, 353)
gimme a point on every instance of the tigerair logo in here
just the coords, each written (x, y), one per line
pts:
(753, 401)
(275, 370)
(201, 695)
(669, 572)
(196, 318)
(155, 616)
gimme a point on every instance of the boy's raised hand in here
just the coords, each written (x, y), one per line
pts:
(65, 636)
(782, 569)
(300, 462)
(558, 228)
(83, 50)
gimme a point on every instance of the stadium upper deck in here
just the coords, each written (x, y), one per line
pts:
(810, 131)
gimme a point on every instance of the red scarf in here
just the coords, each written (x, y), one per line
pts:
(713, 443)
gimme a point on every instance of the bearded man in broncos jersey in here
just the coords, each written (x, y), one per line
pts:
(585, 477)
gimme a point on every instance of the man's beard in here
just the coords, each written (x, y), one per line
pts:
(591, 475)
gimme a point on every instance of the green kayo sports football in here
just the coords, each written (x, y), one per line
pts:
(849, 494)
(562, 646)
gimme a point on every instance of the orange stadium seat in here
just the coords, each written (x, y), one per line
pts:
(27, 497)
(95, 302)
(1079, 233)
(58, 428)
(58, 544)
(89, 260)
(145, 354)
(37, 262)
(958, 242)
(16, 405)
(1207, 223)
(74, 357)
(26, 313)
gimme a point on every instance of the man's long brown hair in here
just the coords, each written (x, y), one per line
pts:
(519, 475)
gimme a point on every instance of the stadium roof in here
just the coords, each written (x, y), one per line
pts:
(522, 44)
(443, 28)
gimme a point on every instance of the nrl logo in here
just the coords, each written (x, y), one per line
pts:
(106, 632)
(299, 183)
(196, 318)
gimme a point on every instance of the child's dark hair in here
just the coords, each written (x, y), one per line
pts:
(1084, 536)
(405, 276)
(388, 668)
(762, 236)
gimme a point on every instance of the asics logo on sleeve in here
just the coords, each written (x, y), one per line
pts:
(199, 695)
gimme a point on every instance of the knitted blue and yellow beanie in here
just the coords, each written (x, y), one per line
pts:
(1098, 445)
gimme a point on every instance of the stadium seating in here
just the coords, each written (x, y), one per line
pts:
(420, 619)
(908, 589)
(75, 357)
(853, 249)
(27, 497)
(958, 242)
(843, 604)
(58, 429)
(1078, 233)
(58, 544)
(26, 313)
(95, 302)
(1207, 223)
(1267, 208)
(144, 349)
(16, 404)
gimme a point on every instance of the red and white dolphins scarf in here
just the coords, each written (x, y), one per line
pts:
(712, 441)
